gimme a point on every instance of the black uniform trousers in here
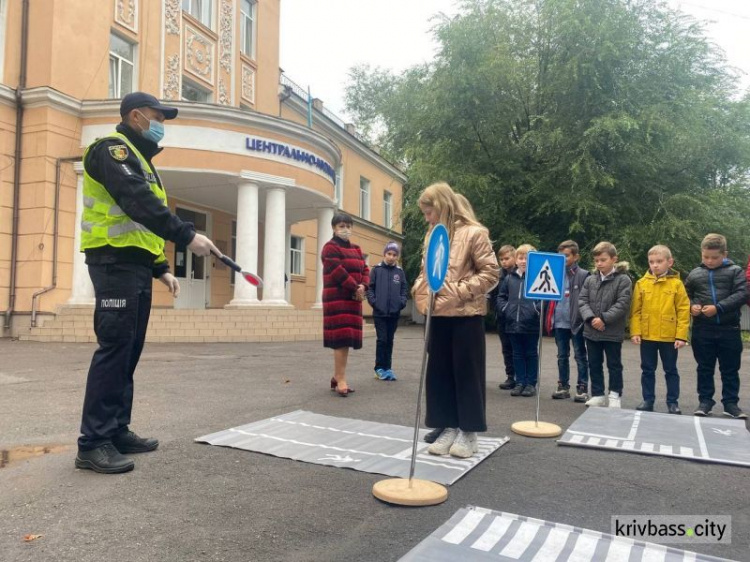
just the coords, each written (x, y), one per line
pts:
(456, 373)
(123, 305)
(723, 345)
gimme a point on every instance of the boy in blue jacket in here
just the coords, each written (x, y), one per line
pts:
(387, 297)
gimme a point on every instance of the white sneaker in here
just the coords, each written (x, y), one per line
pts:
(614, 399)
(597, 401)
(442, 444)
(465, 445)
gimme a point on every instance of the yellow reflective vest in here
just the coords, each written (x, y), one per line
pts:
(103, 222)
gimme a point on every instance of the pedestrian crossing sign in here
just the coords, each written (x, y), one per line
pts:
(545, 276)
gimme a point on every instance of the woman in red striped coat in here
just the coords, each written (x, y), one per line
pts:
(345, 280)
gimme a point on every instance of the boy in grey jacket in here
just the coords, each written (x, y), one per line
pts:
(604, 304)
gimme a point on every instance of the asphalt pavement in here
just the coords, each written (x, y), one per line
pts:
(192, 502)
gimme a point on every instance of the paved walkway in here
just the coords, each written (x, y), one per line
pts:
(190, 502)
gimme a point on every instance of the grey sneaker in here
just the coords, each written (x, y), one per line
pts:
(465, 445)
(562, 392)
(734, 411)
(581, 394)
(703, 409)
(442, 444)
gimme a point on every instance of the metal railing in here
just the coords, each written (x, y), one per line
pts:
(301, 93)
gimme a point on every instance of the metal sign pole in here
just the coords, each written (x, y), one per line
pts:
(425, 358)
(539, 364)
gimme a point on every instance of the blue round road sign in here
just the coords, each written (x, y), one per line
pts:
(438, 254)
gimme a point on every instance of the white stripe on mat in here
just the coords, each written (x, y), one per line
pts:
(493, 534)
(654, 553)
(464, 527)
(521, 540)
(701, 440)
(619, 550)
(584, 548)
(553, 545)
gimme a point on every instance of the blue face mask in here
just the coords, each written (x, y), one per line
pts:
(155, 131)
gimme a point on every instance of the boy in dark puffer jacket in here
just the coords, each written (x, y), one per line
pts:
(521, 319)
(387, 297)
(717, 290)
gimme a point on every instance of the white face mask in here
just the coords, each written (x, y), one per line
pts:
(344, 234)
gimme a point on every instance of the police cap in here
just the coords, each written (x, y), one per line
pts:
(134, 100)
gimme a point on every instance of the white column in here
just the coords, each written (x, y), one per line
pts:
(246, 294)
(325, 216)
(82, 290)
(275, 250)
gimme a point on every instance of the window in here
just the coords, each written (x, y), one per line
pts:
(387, 209)
(297, 253)
(364, 198)
(201, 10)
(338, 187)
(193, 92)
(247, 24)
(121, 55)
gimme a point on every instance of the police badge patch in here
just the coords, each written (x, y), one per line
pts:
(119, 152)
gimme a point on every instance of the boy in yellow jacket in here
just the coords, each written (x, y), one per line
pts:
(659, 321)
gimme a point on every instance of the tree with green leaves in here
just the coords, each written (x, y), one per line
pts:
(587, 119)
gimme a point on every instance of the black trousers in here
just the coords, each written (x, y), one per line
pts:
(507, 348)
(724, 346)
(456, 375)
(123, 305)
(385, 328)
(613, 351)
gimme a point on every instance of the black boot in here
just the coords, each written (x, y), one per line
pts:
(129, 443)
(509, 384)
(645, 406)
(433, 435)
(104, 459)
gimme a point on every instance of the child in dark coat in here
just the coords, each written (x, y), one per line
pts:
(387, 297)
(521, 319)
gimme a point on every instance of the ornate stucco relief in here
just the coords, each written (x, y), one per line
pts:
(172, 78)
(126, 14)
(199, 54)
(225, 35)
(172, 16)
(248, 83)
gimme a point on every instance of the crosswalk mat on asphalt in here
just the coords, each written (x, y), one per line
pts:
(379, 448)
(476, 534)
(709, 439)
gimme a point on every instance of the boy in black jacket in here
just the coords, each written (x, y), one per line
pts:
(387, 297)
(717, 290)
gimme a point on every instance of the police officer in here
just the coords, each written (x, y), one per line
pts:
(124, 225)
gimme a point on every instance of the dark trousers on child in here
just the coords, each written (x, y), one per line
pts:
(650, 353)
(507, 348)
(456, 376)
(525, 357)
(385, 328)
(724, 346)
(597, 351)
(563, 339)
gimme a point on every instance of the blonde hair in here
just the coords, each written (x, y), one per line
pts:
(508, 248)
(661, 249)
(450, 210)
(714, 242)
(525, 249)
(465, 207)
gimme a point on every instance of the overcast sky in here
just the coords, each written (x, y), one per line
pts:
(322, 39)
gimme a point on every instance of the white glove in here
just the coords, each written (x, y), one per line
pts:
(201, 245)
(172, 284)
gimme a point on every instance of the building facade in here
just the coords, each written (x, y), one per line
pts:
(249, 160)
